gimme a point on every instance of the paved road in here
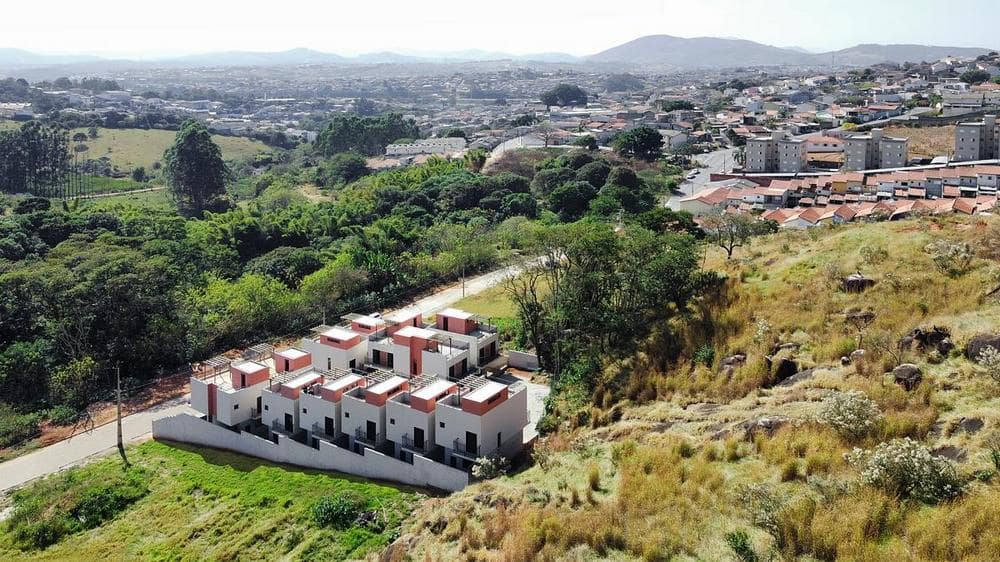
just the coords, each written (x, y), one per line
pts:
(138, 426)
(92, 443)
(717, 161)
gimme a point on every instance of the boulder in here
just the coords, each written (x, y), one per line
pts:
(969, 425)
(786, 346)
(766, 425)
(784, 369)
(950, 452)
(856, 283)
(845, 360)
(798, 377)
(857, 355)
(734, 360)
(978, 343)
(929, 339)
(907, 375)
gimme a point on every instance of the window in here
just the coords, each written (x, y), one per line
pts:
(265, 407)
(347, 414)
(392, 421)
(236, 406)
(329, 364)
(441, 424)
(305, 411)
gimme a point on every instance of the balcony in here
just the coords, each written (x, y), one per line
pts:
(361, 436)
(408, 444)
(461, 449)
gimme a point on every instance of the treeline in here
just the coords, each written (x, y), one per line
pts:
(33, 158)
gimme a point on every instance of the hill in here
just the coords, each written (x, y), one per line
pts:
(680, 52)
(18, 57)
(707, 458)
(869, 54)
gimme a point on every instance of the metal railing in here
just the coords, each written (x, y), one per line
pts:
(462, 448)
(407, 443)
(362, 436)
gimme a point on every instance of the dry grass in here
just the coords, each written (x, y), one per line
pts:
(927, 142)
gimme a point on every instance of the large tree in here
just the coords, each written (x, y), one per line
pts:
(643, 143)
(194, 168)
(565, 94)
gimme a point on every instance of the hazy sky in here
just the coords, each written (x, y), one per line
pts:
(143, 28)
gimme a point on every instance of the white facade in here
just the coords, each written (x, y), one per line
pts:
(314, 412)
(496, 430)
(276, 409)
(327, 357)
(356, 413)
(232, 407)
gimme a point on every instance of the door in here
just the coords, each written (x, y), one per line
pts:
(371, 431)
(471, 443)
(413, 369)
(258, 406)
(328, 425)
(353, 364)
(288, 365)
(289, 422)
(388, 360)
(445, 324)
(418, 438)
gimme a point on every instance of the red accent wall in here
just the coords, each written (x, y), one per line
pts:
(456, 325)
(341, 344)
(212, 399)
(335, 395)
(381, 398)
(480, 408)
(428, 405)
(292, 392)
(293, 363)
(252, 377)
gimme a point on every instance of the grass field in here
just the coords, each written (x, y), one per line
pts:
(927, 141)
(128, 148)
(6, 124)
(187, 503)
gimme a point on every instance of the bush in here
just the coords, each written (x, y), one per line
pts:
(705, 355)
(989, 358)
(908, 469)
(490, 467)
(339, 512)
(851, 413)
(739, 543)
(951, 258)
(63, 415)
(15, 427)
(594, 477)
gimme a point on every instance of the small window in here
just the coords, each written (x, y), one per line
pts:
(392, 421)
(236, 406)
(305, 411)
(347, 414)
(265, 407)
(441, 424)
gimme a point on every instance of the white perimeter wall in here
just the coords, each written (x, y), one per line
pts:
(423, 472)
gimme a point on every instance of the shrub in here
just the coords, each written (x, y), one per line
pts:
(851, 413)
(790, 470)
(490, 467)
(873, 255)
(63, 415)
(705, 355)
(594, 477)
(739, 543)
(339, 512)
(951, 258)
(992, 446)
(15, 427)
(908, 469)
(761, 507)
(989, 358)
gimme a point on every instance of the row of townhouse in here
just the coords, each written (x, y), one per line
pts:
(929, 182)
(807, 217)
(392, 387)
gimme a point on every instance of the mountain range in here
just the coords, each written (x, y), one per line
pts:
(653, 51)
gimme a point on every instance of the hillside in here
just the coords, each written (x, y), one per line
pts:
(869, 53)
(128, 148)
(706, 51)
(697, 460)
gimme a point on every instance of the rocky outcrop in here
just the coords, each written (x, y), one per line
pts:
(857, 283)
(928, 339)
(907, 376)
(978, 343)
(766, 425)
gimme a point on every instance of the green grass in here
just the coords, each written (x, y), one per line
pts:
(493, 303)
(146, 200)
(204, 504)
(128, 148)
(6, 125)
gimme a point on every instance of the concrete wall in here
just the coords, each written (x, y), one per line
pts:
(355, 413)
(522, 360)
(329, 357)
(274, 406)
(423, 472)
(233, 408)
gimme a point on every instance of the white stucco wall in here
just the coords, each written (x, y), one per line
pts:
(274, 407)
(245, 398)
(199, 395)
(312, 413)
(328, 357)
(355, 413)
(406, 418)
(509, 419)
(423, 472)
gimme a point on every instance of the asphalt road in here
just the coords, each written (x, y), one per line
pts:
(718, 161)
(139, 426)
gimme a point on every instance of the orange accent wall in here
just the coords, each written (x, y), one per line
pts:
(252, 377)
(480, 408)
(456, 325)
(428, 405)
(294, 364)
(381, 398)
(292, 392)
(341, 344)
(212, 399)
(335, 395)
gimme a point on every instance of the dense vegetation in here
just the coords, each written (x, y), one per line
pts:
(86, 288)
(189, 503)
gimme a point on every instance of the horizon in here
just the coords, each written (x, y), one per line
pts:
(521, 28)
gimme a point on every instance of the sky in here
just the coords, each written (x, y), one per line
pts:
(146, 29)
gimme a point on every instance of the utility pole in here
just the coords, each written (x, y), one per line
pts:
(463, 279)
(118, 408)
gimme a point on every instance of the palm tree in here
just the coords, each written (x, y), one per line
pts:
(475, 159)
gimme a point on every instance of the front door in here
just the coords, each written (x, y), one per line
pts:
(370, 433)
(388, 360)
(258, 406)
(328, 425)
(471, 443)
(289, 423)
(353, 364)
(418, 438)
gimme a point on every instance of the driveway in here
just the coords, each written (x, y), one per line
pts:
(136, 427)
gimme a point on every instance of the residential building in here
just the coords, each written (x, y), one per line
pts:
(320, 405)
(978, 140)
(363, 409)
(776, 153)
(412, 417)
(280, 400)
(875, 151)
(229, 393)
(484, 418)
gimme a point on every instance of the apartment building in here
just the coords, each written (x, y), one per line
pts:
(875, 151)
(977, 140)
(776, 153)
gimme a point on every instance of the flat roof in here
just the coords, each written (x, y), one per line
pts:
(368, 321)
(414, 331)
(249, 366)
(401, 316)
(432, 390)
(303, 379)
(485, 392)
(386, 385)
(292, 353)
(342, 382)
(456, 313)
(338, 333)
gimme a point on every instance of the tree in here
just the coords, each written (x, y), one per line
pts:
(586, 141)
(733, 230)
(675, 105)
(572, 199)
(366, 135)
(643, 143)
(92, 133)
(974, 76)
(139, 174)
(342, 168)
(194, 169)
(455, 133)
(563, 95)
(475, 159)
